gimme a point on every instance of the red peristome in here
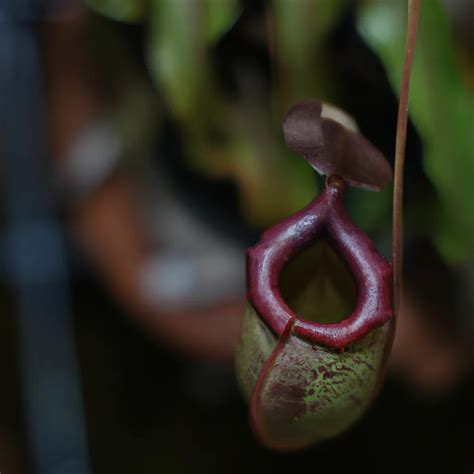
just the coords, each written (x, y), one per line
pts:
(371, 271)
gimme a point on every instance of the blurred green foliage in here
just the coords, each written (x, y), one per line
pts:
(442, 107)
(239, 137)
(122, 10)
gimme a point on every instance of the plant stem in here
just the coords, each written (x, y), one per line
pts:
(397, 246)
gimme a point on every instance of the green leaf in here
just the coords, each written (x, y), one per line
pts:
(177, 56)
(441, 106)
(300, 30)
(179, 36)
(131, 11)
(220, 16)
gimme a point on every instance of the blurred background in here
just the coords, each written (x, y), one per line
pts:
(141, 153)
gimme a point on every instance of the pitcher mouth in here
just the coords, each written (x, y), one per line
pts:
(280, 244)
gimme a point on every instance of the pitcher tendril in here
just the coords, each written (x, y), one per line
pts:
(402, 122)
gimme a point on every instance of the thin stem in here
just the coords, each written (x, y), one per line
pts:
(397, 246)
